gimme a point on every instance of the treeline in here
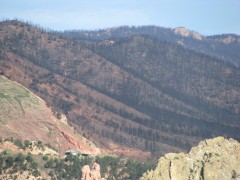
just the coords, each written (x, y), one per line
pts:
(29, 24)
(69, 167)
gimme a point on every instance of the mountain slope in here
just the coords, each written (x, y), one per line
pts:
(213, 159)
(185, 75)
(131, 94)
(25, 116)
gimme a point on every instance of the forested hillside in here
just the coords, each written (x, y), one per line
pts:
(132, 94)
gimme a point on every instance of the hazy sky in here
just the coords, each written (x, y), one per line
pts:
(204, 16)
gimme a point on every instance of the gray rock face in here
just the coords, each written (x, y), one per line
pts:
(213, 159)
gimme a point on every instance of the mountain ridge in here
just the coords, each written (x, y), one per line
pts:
(195, 41)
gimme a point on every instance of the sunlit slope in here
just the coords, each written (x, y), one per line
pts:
(24, 115)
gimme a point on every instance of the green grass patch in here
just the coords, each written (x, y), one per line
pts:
(10, 90)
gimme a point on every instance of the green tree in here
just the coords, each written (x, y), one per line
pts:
(29, 158)
(26, 143)
(45, 158)
(9, 162)
(20, 158)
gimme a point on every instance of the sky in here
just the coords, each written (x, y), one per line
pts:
(208, 17)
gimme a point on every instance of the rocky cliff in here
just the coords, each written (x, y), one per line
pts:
(182, 31)
(217, 158)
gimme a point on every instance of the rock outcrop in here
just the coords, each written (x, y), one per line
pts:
(213, 159)
(91, 174)
(86, 173)
(95, 172)
(228, 39)
(182, 31)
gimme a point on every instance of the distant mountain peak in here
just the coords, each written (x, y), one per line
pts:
(182, 31)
